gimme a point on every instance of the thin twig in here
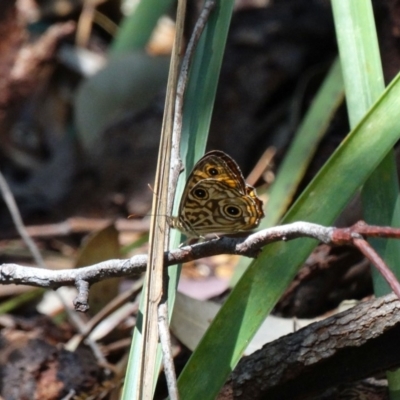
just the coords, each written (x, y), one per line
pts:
(263, 163)
(175, 169)
(154, 293)
(176, 163)
(379, 264)
(168, 359)
(19, 225)
(248, 246)
(16, 216)
(105, 312)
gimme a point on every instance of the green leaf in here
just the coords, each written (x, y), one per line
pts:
(300, 153)
(197, 113)
(304, 145)
(268, 276)
(364, 82)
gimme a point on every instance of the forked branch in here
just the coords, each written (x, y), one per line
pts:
(248, 246)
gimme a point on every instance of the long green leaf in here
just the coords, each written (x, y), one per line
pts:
(198, 107)
(304, 145)
(268, 276)
(300, 153)
(203, 82)
(364, 82)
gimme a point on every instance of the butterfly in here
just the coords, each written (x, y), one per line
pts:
(217, 199)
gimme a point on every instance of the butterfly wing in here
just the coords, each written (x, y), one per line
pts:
(217, 199)
(216, 165)
(212, 206)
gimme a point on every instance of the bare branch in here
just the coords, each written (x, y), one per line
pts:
(81, 302)
(248, 246)
(377, 261)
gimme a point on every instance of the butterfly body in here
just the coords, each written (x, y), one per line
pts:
(217, 199)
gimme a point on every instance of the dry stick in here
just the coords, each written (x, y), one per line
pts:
(378, 262)
(79, 225)
(165, 342)
(156, 277)
(16, 216)
(262, 164)
(85, 22)
(175, 168)
(82, 225)
(248, 246)
(19, 225)
(176, 163)
(106, 311)
(355, 234)
(165, 152)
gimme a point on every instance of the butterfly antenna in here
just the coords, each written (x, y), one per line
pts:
(152, 190)
(140, 216)
(137, 216)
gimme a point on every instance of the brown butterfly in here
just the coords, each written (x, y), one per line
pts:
(216, 199)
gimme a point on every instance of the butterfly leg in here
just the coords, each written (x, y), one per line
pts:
(189, 241)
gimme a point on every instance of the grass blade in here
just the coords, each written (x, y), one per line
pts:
(267, 277)
(364, 82)
(303, 147)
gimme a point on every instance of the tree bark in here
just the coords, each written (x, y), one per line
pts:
(344, 348)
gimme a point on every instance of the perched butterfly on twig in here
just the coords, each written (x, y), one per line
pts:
(217, 199)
